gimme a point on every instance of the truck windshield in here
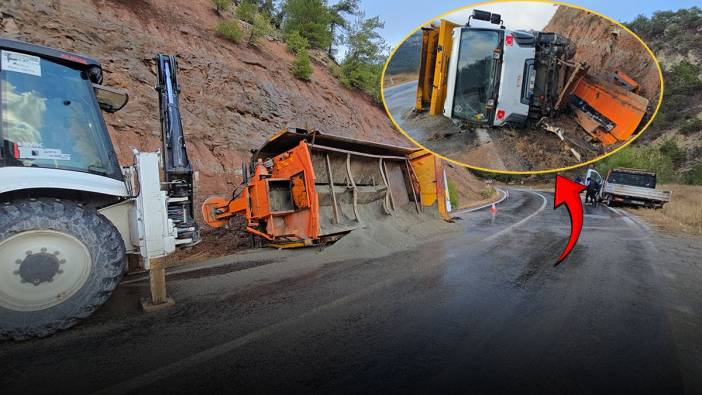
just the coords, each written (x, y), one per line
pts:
(50, 117)
(635, 180)
(475, 75)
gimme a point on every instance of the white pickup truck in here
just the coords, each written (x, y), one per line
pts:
(630, 186)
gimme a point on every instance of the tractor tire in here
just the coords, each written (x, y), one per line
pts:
(59, 262)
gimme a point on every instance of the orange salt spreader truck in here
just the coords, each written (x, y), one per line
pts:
(303, 188)
(484, 74)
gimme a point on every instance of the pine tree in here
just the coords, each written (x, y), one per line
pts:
(311, 18)
(362, 67)
(349, 7)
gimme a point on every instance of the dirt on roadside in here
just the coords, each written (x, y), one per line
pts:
(518, 149)
(683, 214)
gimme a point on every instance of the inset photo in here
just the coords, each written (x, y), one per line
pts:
(522, 86)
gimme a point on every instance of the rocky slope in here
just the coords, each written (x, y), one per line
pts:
(233, 96)
(606, 47)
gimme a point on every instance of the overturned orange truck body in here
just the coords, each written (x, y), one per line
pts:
(305, 187)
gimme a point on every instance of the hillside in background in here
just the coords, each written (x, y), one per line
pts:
(407, 56)
(672, 145)
(233, 96)
(606, 48)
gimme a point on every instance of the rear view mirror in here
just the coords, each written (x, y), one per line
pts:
(495, 19)
(110, 99)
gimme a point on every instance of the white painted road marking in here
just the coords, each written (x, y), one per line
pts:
(516, 224)
(505, 194)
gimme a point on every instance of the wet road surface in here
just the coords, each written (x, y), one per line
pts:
(400, 98)
(483, 310)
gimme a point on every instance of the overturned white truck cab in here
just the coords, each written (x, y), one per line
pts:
(498, 76)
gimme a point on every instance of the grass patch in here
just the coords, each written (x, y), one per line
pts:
(453, 194)
(682, 213)
(230, 30)
(488, 192)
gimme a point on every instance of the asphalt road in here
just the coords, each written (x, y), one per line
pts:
(483, 310)
(400, 97)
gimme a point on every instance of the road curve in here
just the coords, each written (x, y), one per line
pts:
(484, 310)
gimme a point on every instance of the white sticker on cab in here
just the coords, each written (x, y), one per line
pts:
(36, 151)
(20, 63)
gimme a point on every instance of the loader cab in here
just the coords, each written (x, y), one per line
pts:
(50, 116)
(490, 76)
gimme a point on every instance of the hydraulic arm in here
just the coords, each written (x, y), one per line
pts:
(178, 171)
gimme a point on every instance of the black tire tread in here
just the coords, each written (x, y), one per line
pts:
(92, 228)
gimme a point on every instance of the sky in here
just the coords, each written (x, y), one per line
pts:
(527, 16)
(403, 16)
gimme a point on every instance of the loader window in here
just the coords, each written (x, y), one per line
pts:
(50, 117)
(475, 75)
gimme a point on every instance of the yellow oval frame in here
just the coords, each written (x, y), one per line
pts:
(653, 56)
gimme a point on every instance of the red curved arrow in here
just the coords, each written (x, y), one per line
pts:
(568, 193)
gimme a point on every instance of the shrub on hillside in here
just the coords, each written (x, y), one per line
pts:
(247, 11)
(488, 192)
(230, 30)
(694, 175)
(691, 126)
(301, 66)
(259, 28)
(221, 5)
(676, 154)
(295, 42)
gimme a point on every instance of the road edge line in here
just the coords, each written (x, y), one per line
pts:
(523, 220)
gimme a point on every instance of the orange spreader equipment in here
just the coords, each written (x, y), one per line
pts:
(305, 187)
(609, 111)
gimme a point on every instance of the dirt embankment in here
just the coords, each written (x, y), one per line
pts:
(233, 96)
(607, 47)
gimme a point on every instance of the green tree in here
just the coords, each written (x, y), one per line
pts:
(348, 7)
(230, 30)
(362, 67)
(259, 28)
(295, 42)
(311, 18)
(647, 157)
(267, 8)
(302, 67)
(246, 11)
(221, 5)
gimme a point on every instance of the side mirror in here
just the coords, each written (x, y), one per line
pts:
(481, 15)
(110, 99)
(495, 19)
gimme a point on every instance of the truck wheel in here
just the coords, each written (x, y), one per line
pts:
(59, 262)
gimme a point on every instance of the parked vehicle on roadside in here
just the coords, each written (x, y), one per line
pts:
(630, 186)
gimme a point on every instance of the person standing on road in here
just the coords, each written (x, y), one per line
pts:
(591, 190)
